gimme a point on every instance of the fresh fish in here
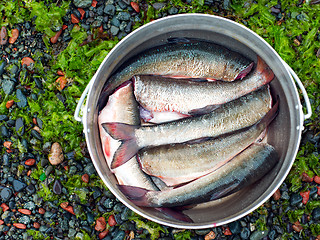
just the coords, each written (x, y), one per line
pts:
(232, 116)
(122, 107)
(198, 59)
(244, 169)
(160, 117)
(159, 94)
(180, 163)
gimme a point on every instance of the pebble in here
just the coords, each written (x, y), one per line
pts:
(19, 225)
(30, 162)
(316, 214)
(18, 185)
(56, 155)
(235, 227)
(24, 211)
(4, 131)
(19, 126)
(295, 199)
(114, 30)
(23, 99)
(57, 187)
(25, 220)
(3, 36)
(109, 9)
(31, 189)
(82, 3)
(89, 169)
(257, 235)
(9, 104)
(55, 38)
(14, 36)
(6, 194)
(123, 16)
(8, 86)
(2, 67)
(27, 61)
(135, 6)
(30, 205)
(277, 195)
(100, 224)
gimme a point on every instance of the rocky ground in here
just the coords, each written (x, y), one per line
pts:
(49, 189)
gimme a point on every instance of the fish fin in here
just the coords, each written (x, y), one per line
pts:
(245, 71)
(124, 153)
(145, 114)
(175, 213)
(264, 70)
(204, 110)
(136, 194)
(119, 131)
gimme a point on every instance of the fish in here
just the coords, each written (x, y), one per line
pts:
(180, 163)
(123, 107)
(243, 170)
(240, 113)
(185, 96)
(198, 59)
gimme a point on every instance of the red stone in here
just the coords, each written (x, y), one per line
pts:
(64, 27)
(70, 210)
(34, 120)
(316, 179)
(26, 61)
(41, 211)
(85, 178)
(62, 82)
(30, 162)
(112, 221)
(7, 144)
(82, 12)
(9, 104)
(297, 226)
(3, 36)
(4, 207)
(211, 235)
(36, 225)
(135, 6)
(20, 225)
(1, 222)
(318, 192)
(100, 224)
(94, 3)
(60, 73)
(14, 36)
(305, 196)
(227, 231)
(276, 196)
(103, 234)
(74, 19)
(54, 39)
(25, 211)
(306, 177)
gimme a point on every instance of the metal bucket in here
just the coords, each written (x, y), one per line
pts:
(284, 133)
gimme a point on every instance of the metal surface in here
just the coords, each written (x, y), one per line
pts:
(284, 133)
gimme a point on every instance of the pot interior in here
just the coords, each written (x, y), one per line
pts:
(283, 133)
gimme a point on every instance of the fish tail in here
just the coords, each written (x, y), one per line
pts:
(128, 148)
(245, 71)
(136, 194)
(264, 70)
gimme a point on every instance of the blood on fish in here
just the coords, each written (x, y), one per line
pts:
(107, 147)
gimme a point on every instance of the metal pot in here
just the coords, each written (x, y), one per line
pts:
(284, 133)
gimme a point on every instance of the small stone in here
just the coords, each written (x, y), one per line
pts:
(19, 126)
(317, 179)
(30, 162)
(56, 155)
(18, 185)
(112, 221)
(36, 134)
(4, 131)
(20, 225)
(36, 225)
(31, 189)
(82, 3)
(119, 235)
(277, 195)
(211, 235)
(41, 211)
(85, 178)
(8, 86)
(3, 36)
(316, 214)
(173, 11)
(257, 235)
(54, 39)
(14, 36)
(57, 187)
(114, 30)
(23, 99)
(123, 16)
(30, 205)
(135, 6)
(295, 199)
(297, 227)
(235, 227)
(27, 61)
(25, 219)
(109, 9)
(100, 224)
(158, 6)
(89, 169)
(4, 207)
(48, 170)
(103, 234)
(74, 19)
(72, 233)
(6, 194)
(306, 177)
(25, 211)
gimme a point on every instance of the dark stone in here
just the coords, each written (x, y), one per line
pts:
(11, 123)
(2, 67)
(6, 194)
(23, 99)
(109, 9)
(31, 189)
(120, 235)
(4, 118)
(8, 86)
(258, 235)
(316, 213)
(96, 192)
(295, 199)
(128, 27)
(235, 227)
(24, 143)
(272, 234)
(115, 22)
(90, 218)
(172, 11)
(82, 3)
(6, 159)
(108, 203)
(245, 233)
(89, 169)
(18, 185)
(19, 126)
(38, 82)
(35, 134)
(100, 10)
(57, 187)
(12, 205)
(123, 16)
(114, 30)
(122, 5)
(4, 131)
(76, 13)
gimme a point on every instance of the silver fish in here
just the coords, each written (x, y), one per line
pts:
(123, 107)
(160, 94)
(199, 59)
(180, 163)
(243, 170)
(232, 116)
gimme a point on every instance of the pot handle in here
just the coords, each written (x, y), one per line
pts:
(81, 100)
(303, 90)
